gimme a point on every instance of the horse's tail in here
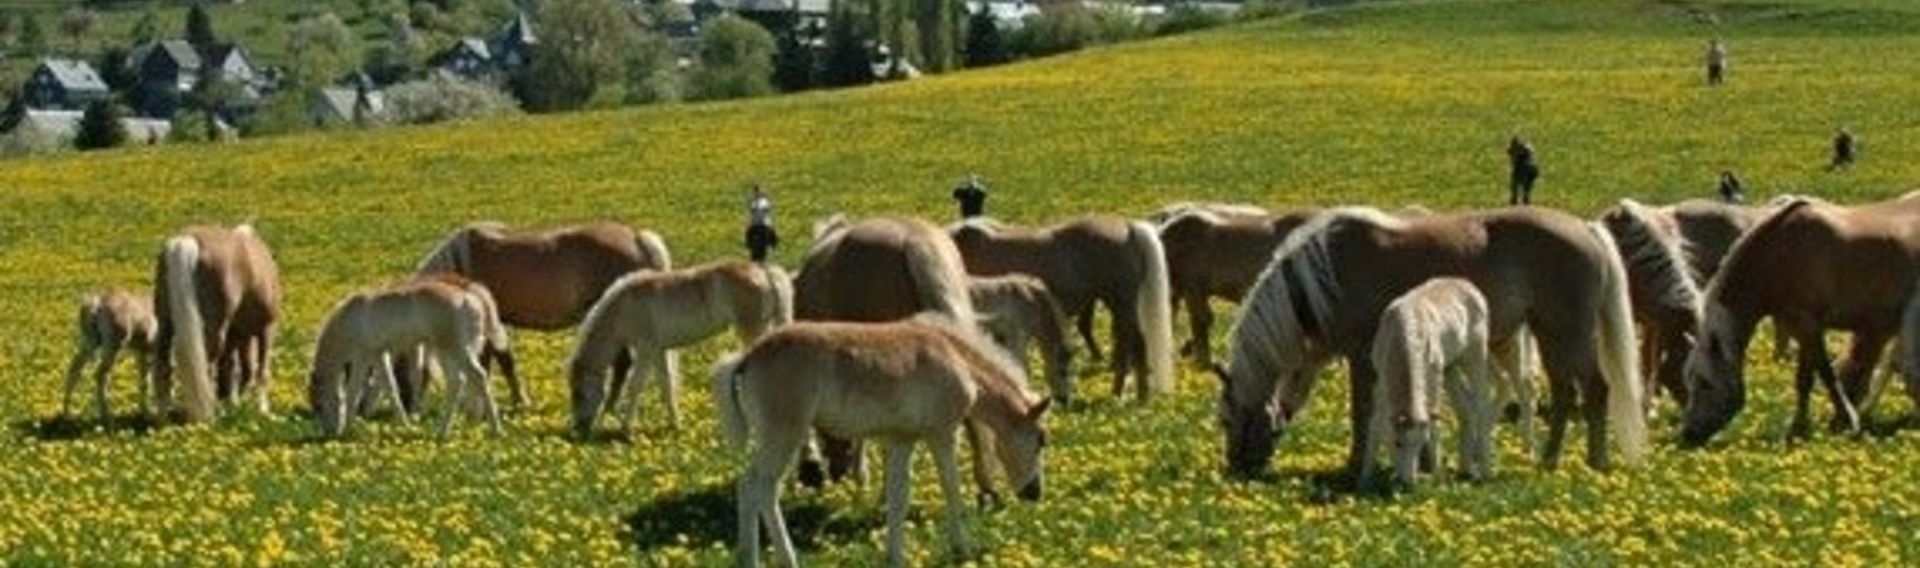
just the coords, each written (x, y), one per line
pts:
(178, 262)
(779, 293)
(1619, 357)
(655, 248)
(1153, 304)
(939, 277)
(726, 395)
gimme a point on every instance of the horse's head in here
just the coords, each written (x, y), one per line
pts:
(1716, 387)
(1020, 449)
(1250, 421)
(325, 399)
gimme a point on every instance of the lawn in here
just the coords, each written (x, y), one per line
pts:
(1385, 104)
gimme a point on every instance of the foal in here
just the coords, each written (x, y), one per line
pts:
(1017, 308)
(902, 383)
(452, 322)
(108, 322)
(648, 312)
(1435, 333)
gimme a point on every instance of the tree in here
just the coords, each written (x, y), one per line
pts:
(147, 28)
(653, 71)
(396, 58)
(794, 68)
(31, 36)
(113, 68)
(320, 49)
(933, 20)
(583, 48)
(101, 126)
(200, 26)
(849, 60)
(76, 22)
(985, 45)
(736, 59)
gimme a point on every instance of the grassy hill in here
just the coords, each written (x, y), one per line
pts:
(1376, 104)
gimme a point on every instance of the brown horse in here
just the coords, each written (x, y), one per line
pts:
(1811, 266)
(543, 280)
(217, 292)
(109, 322)
(876, 270)
(1218, 256)
(1094, 259)
(1324, 291)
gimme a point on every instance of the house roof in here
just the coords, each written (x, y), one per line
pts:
(477, 46)
(806, 6)
(518, 30)
(74, 75)
(181, 52)
(341, 100)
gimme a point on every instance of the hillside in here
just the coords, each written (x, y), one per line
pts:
(1377, 104)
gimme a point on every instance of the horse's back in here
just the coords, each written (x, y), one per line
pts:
(865, 273)
(860, 380)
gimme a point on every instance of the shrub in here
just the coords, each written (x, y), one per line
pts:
(736, 60)
(440, 98)
(1186, 17)
(985, 44)
(101, 127)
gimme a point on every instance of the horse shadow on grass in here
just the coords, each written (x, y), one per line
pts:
(74, 427)
(706, 516)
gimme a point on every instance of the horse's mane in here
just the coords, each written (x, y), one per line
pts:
(830, 224)
(1646, 248)
(1736, 254)
(986, 225)
(1271, 327)
(1201, 215)
(450, 254)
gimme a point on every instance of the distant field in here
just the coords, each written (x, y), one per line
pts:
(1379, 104)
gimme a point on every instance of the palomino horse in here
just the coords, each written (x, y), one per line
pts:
(1104, 259)
(1810, 266)
(217, 291)
(1017, 308)
(108, 322)
(1219, 256)
(876, 270)
(1324, 291)
(1434, 334)
(544, 280)
(646, 313)
(901, 383)
(453, 323)
(1175, 210)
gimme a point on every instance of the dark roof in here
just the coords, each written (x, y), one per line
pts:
(181, 52)
(518, 30)
(74, 75)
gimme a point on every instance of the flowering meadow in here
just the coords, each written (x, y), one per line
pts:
(1387, 104)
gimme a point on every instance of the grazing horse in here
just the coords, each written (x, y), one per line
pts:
(1218, 256)
(875, 270)
(453, 323)
(1094, 259)
(1434, 334)
(1811, 266)
(1017, 308)
(108, 322)
(1177, 209)
(646, 313)
(1324, 291)
(901, 383)
(1666, 296)
(543, 280)
(217, 292)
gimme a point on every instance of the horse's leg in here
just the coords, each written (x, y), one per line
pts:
(645, 357)
(1361, 395)
(1671, 375)
(669, 363)
(1382, 431)
(109, 354)
(949, 466)
(1083, 321)
(456, 389)
(1563, 392)
(1862, 356)
(78, 365)
(1813, 355)
(623, 363)
(1200, 324)
(475, 373)
(245, 381)
(978, 443)
(1470, 389)
(263, 346)
(391, 385)
(510, 368)
(759, 499)
(1593, 404)
(899, 466)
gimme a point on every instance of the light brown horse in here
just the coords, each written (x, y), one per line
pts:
(1016, 309)
(1218, 256)
(109, 322)
(1094, 259)
(452, 322)
(647, 313)
(218, 295)
(546, 279)
(1811, 266)
(1175, 210)
(1324, 291)
(875, 270)
(904, 383)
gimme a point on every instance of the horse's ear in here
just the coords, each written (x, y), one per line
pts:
(1040, 408)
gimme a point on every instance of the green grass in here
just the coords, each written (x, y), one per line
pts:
(1379, 104)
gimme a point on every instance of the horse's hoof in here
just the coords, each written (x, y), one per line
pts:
(1799, 430)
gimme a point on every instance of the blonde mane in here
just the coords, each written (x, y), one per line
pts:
(1646, 249)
